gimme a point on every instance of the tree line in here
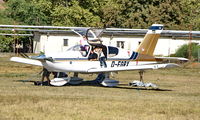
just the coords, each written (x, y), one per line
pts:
(174, 14)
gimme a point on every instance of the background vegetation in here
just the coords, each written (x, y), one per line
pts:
(183, 51)
(175, 14)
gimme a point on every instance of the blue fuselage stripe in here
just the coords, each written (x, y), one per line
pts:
(71, 59)
(134, 55)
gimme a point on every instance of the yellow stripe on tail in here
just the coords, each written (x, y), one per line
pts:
(148, 44)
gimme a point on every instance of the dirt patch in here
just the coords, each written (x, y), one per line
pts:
(1, 4)
(193, 65)
(6, 54)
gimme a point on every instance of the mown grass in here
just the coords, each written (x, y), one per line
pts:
(177, 99)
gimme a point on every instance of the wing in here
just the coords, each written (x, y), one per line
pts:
(137, 67)
(25, 60)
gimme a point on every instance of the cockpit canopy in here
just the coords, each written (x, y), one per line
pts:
(84, 50)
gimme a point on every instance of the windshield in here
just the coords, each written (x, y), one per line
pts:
(83, 49)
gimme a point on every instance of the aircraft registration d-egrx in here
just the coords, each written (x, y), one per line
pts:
(76, 59)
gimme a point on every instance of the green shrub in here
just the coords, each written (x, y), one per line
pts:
(183, 51)
(6, 44)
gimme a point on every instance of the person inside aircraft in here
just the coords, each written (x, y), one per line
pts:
(104, 50)
(102, 54)
(99, 54)
(84, 50)
(93, 55)
(102, 58)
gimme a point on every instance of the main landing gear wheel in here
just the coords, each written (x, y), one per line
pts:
(104, 80)
(75, 80)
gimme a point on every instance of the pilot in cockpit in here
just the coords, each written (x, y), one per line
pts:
(93, 55)
(84, 50)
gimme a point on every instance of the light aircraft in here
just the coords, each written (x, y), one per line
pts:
(77, 59)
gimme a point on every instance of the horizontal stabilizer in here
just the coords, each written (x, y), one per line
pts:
(25, 60)
(172, 58)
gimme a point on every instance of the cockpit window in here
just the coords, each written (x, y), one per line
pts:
(83, 49)
(112, 51)
(74, 48)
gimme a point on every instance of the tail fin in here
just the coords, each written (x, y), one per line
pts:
(147, 46)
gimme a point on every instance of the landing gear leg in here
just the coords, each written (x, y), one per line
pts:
(100, 77)
(75, 74)
(141, 72)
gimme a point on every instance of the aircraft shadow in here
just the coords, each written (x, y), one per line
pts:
(23, 81)
(96, 84)
(121, 86)
(87, 83)
(126, 86)
(143, 88)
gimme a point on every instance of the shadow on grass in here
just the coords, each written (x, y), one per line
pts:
(23, 81)
(144, 88)
(96, 84)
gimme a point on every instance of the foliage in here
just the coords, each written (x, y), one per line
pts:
(183, 51)
(175, 14)
(29, 12)
(74, 15)
(191, 8)
(5, 44)
(141, 14)
(4, 19)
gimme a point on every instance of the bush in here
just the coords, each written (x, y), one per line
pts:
(183, 51)
(6, 44)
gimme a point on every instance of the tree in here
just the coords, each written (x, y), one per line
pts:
(174, 14)
(31, 13)
(111, 15)
(74, 15)
(4, 19)
(191, 8)
(6, 44)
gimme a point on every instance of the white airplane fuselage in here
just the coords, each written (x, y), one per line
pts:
(101, 59)
(74, 61)
(77, 58)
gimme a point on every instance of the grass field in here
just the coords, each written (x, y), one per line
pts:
(177, 99)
